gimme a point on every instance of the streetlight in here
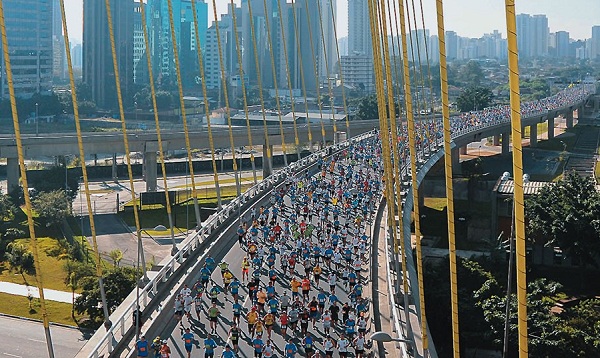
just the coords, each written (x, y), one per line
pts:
(385, 337)
(36, 120)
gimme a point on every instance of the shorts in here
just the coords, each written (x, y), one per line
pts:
(188, 348)
(314, 314)
(213, 319)
(359, 351)
(179, 313)
(305, 292)
(250, 326)
(329, 353)
(343, 354)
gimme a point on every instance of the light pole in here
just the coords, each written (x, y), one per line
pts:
(385, 337)
(36, 120)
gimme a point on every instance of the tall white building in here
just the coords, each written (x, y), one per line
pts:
(451, 45)
(532, 35)
(359, 31)
(561, 43)
(595, 42)
(327, 46)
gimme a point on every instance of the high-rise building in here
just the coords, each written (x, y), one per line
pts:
(227, 60)
(58, 43)
(161, 44)
(327, 44)
(357, 71)
(140, 64)
(76, 56)
(359, 30)
(532, 35)
(595, 43)
(98, 69)
(451, 45)
(418, 40)
(561, 39)
(29, 32)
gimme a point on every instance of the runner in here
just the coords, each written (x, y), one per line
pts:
(188, 341)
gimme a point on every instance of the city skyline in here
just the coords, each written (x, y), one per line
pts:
(456, 12)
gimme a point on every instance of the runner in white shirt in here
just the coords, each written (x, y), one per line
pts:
(185, 291)
(328, 346)
(332, 280)
(359, 345)
(343, 345)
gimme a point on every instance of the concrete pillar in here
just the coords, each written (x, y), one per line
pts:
(115, 175)
(267, 160)
(551, 128)
(505, 143)
(463, 150)
(497, 139)
(12, 174)
(339, 137)
(569, 119)
(150, 165)
(456, 169)
(533, 135)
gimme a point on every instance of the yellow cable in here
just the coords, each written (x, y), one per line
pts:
(262, 102)
(315, 70)
(301, 68)
(287, 66)
(449, 184)
(184, 117)
(156, 121)
(226, 94)
(519, 205)
(413, 167)
(339, 59)
(23, 172)
(211, 142)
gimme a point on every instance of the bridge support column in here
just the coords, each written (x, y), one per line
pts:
(267, 163)
(115, 175)
(496, 140)
(150, 165)
(505, 143)
(12, 174)
(456, 169)
(533, 135)
(551, 128)
(570, 119)
(463, 150)
(580, 112)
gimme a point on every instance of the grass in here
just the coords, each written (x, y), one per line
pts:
(58, 312)
(541, 128)
(53, 275)
(200, 185)
(597, 172)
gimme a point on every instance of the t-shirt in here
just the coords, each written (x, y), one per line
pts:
(142, 348)
(209, 345)
(290, 350)
(188, 339)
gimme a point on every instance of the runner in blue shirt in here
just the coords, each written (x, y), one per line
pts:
(188, 341)
(258, 345)
(290, 349)
(234, 286)
(209, 347)
(228, 353)
(142, 347)
(210, 263)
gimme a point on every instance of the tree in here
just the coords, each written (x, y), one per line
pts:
(19, 258)
(7, 208)
(567, 214)
(76, 273)
(369, 109)
(474, 98)
(116, 255)
(471, 74)
(118, 283)
(54, 179)
(53, 207)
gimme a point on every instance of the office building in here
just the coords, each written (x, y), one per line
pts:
(358, 72)
(29, 31)
(161, 43)
(451, 45)
(59, 60)
(98, 69)
(532, 35)
(595, 43)
(561, 44)
(77, 56)
(359, 30)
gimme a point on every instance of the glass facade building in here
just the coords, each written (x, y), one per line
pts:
(29, 32)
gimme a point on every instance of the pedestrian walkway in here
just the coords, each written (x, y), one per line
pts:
(24, 290)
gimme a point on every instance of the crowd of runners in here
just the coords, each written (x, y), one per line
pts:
(301, 277)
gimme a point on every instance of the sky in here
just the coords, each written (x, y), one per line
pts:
(469, 18)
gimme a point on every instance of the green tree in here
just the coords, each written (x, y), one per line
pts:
(471, 74)
(567, 214)
(7, 208)
(116, 255)
(118, 283)
(76, 273)
(369, 109)
(53, 207)
(54, 179)
(19, 258)
(474, 98)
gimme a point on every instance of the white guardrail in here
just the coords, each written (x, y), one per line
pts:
(123, 323)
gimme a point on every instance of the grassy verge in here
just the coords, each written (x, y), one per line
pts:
(52, 267)
(58, 312)
(541, 128)
(597, 172)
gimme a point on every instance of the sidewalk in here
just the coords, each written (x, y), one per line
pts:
(23, 290)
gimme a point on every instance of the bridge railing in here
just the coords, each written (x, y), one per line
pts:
(123, 322)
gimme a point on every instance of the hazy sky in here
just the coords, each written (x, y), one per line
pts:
(471, 18)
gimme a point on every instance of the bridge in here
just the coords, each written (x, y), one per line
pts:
(403, 160)
(216, 237)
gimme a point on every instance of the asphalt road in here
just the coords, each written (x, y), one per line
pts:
(23, 338)
(200, 328)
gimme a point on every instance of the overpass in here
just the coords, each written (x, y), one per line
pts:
(214, 236)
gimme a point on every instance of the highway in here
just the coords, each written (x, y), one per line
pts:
(173, 333)
(24, 338)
